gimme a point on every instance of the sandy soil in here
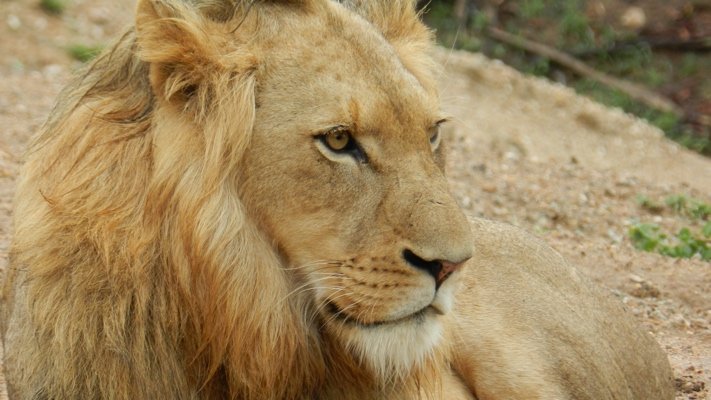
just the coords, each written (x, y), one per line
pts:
(532, 153)
(522, 150)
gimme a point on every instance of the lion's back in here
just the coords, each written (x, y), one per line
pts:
(528, 316)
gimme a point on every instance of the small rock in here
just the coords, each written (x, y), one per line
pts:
(512, 155)
(99, 15)
(499, 211)
(52, 70)
(479, 168)
(687, 385)
(40, 24)
(634, 18)
(489, 188)
(13, 22)
(596, 9)
(698, 323)
(466, 202)
(679, 321)
(645, 289)
(614, 236)
(97, 32)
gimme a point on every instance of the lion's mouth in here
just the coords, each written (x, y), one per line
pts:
(417, 317)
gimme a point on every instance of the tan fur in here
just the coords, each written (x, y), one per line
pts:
(182, 232)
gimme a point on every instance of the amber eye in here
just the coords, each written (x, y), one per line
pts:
(338, 140)
(434, 137)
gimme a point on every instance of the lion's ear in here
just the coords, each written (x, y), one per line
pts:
(398, 20)
(171, 41)
(203, 71)
(188, 53)
(400, 24)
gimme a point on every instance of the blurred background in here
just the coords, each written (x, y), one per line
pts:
(651, 58)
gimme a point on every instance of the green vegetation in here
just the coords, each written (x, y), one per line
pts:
(649, 204)
(54, 6)
(83, 52)
(669, 123)
(692, 208)
(603, 43)
(684, 244)
(688, 241)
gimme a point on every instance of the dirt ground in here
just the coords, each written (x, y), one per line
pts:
(521, 150)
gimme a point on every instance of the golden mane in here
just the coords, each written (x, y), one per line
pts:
(170, 229)
(139, 218)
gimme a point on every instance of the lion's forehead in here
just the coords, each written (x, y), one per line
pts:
(347, 66)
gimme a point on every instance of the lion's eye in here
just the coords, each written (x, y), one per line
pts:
(435, 138)
(340, 142)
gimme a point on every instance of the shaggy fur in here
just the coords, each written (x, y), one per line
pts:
(183, 230)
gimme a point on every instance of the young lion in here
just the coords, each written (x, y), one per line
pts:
(246, 200)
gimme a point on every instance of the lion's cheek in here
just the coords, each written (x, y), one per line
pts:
(309, 215)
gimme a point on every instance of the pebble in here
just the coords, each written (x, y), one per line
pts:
(614, 236)
(692, 386)
(489, 188)
(52, 70)
(634, 18)
(646, 290)
(40, 24)
(679, 321)
(13, 22)
(99, 15)
(466, 202)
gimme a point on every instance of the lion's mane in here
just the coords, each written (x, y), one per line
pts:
(146, 260)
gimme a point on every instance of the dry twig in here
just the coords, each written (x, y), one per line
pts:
(635, 91)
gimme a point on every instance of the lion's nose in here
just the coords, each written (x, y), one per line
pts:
(439, 269)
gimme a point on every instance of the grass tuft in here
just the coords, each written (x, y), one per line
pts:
(55, 7)
(688, 242)
(83, 53)
(574, 28)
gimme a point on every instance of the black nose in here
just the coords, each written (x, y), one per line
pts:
(440, 270)
(431, 267)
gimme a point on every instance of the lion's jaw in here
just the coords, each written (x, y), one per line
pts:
(356, 231)
(392, 349)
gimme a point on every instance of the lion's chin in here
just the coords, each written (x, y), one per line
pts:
(419, 316)
(392, 349)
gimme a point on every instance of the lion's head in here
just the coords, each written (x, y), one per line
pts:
(344, 173)
(274, 171)
(342, 167)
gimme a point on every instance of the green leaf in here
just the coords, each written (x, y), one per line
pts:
(83, 53)
(676, 202)
(707, 229)
(54, 6)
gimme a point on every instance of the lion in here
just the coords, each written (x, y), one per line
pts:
(247, 200)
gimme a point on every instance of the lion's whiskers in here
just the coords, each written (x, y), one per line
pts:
(326, 263)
